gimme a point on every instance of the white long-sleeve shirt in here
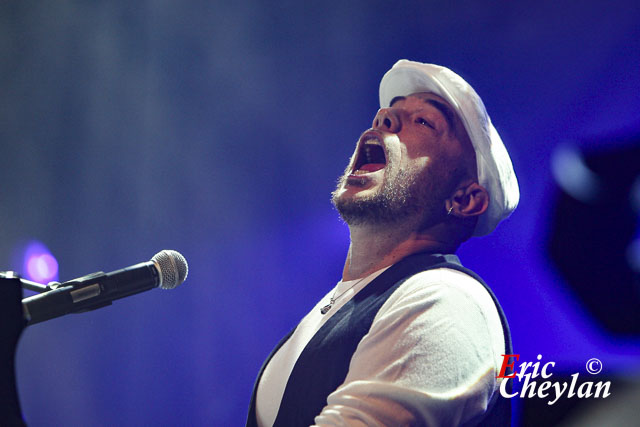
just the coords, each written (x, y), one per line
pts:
(430, 357)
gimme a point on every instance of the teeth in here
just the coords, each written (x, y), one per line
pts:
(372, 141)
(367, 152)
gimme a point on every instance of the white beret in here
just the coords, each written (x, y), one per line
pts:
(495, 171)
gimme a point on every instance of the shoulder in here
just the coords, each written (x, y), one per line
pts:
(442, 285)
(447, 307)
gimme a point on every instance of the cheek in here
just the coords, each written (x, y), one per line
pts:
(416, 163)
(395, 150)
(421, 162)
(404, 158)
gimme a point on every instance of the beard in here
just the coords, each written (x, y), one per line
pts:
(404, 196)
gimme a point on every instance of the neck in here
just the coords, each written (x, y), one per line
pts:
(376, 247)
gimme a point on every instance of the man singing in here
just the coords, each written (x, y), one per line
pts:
(408, 336)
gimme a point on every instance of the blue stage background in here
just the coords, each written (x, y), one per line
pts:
(218, 129)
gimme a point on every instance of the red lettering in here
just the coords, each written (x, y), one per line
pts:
(506, 364)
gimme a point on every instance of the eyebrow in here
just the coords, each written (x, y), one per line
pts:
(396, 99)
(443, 108)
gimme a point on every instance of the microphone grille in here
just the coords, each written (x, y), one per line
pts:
(173, 268)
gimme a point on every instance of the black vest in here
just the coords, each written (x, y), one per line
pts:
(324, 362)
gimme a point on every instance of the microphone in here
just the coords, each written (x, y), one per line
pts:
(166, 270)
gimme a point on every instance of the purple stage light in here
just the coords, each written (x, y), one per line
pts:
(39, 264)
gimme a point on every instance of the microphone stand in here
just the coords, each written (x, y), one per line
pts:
(34, 286)
(12, 323)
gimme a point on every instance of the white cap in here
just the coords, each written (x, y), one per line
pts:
(495, 171)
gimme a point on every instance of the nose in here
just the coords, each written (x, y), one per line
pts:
(387, 120)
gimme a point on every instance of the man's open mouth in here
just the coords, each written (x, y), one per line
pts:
(370, 157)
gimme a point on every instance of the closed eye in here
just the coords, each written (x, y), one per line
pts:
(423, 122)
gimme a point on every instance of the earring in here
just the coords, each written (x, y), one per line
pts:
(449, 211)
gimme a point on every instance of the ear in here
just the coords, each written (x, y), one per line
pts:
(468, 201)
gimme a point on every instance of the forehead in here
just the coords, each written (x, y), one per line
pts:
(420, 99)
(424, 96)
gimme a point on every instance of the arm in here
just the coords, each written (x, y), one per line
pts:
(429, 358)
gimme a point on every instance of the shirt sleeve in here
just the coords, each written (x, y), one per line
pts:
(430, 357)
